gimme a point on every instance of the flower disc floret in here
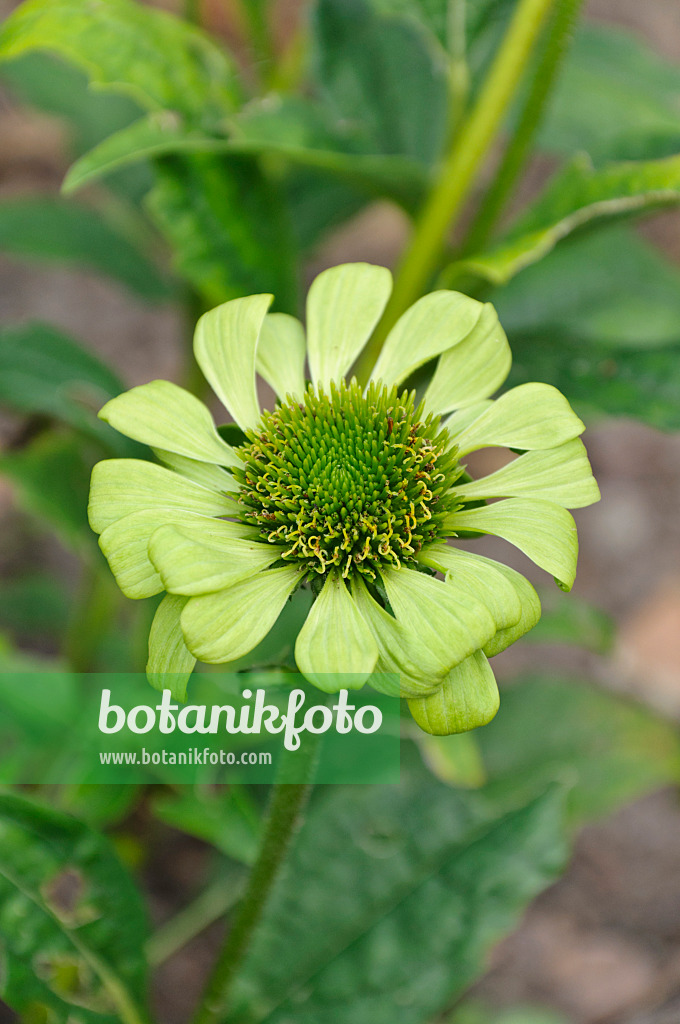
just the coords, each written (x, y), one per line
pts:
(348, 480)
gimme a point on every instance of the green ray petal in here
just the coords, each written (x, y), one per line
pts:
(467, 573)
(432, 325)
(462, 418)
(450, 624)
(225, 346)
(335, 648)
(224, 626)
(125, 545)
(528, 416)
(281, 354)
(163, 415)
(467, 699)
(400, 652)
(545, 532)
(190, 563)
(170, 664)
(561, 474)
(343, 306)
(472, 370)
(205, 473)
(122, 486)
(531, 610)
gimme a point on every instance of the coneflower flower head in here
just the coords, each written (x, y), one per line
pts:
(355, 493)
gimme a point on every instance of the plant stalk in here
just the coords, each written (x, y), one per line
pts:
(553, 50)
(285, 809)
(457, 175)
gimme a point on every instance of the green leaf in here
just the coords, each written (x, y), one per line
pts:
(622, 293)
(52, 230)
(52, 476)
(574, 199)
(59, 89)
(292, 129)
(382, 74)
(71, 920)
(34, 603)
(160, 61)
(567, 619)
(607, 749)
(616, 98)
(425, 883)
(45, 373)
(227, 227)
(611, 341)
(225, 819)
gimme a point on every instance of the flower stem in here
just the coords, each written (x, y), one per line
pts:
(285, 808)
(553, 50)
(457, 175)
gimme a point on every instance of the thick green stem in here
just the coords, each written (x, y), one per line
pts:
(459, 73)
(558, 37)
(457, 175)
(285, 808)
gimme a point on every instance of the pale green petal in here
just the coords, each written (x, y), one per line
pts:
(545, 532)
(204, 473)
(343, 306)
(164, 415)
(472, 370)
(432, 325)
(450, 624)
(281, 354)
(528, 416)
(125, 545)
(467, 699)
(462, 418)
(224, 626)
(467, 573)
(191, 563)
(561, 474)
(122, 486)
(335, 648)
(170, 664)
(400, 652)
(225, 346)
(531, 610)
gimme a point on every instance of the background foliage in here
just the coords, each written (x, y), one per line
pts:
(197, 176)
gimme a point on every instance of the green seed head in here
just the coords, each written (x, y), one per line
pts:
(347, 479)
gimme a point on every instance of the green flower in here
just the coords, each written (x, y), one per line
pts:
(354, 493)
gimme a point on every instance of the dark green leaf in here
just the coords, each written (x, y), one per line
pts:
(52, 476)
(292, 129)
(159, 60)
(381, 75)
(621, 293)
(390, 902)
(227, 227)
(45, 373)
(433, 14)
(573, 199)
(55, 87)
(71, 921)
(608, 750)
(611, 339)
(34, 604)
(616, 99)
(226, 820)
(566, 619)
(51, 230)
